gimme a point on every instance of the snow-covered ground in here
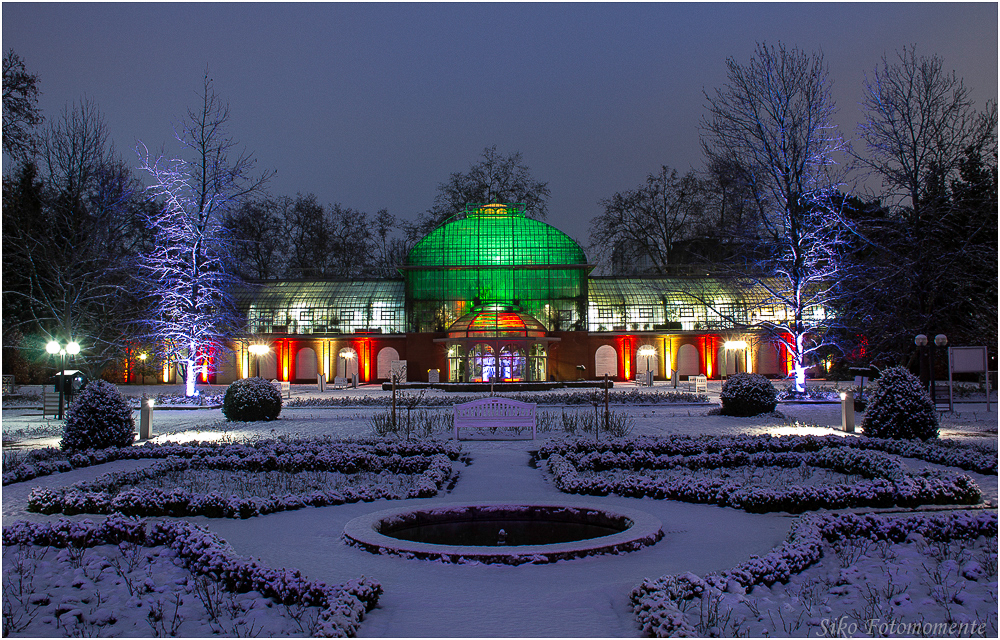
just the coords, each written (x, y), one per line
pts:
(582, 598)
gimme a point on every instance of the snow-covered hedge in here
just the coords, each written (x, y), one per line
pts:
(748, 394)
(266, 454)
(885, 484)
(630, 396)
(907, 491)
(655, 602)
(100, 417)
(939, 452)
(343, 606)
(113, 493)
(250, 400)
(899, 407)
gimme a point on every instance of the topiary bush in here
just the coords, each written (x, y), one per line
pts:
(900, 408)
(99, 418)
(251, 399)
(748, 394)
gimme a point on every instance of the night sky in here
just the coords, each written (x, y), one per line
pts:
(373, 105)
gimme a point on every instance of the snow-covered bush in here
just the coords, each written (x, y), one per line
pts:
(100, 417)
(900, 408)
(748, 394)
(251, 399)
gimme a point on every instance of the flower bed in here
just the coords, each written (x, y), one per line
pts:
(632, 396)
(114, 493)
(263, 455)
(885, 483)
(968, 458)
(678, 605)
(339, 608)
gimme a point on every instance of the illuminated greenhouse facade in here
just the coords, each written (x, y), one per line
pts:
(492, 295)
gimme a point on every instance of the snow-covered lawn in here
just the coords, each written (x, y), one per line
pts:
(584, 597)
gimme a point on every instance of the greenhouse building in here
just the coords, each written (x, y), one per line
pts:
(494, 296)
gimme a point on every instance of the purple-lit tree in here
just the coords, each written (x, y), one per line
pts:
(771, 124)
(189, 288)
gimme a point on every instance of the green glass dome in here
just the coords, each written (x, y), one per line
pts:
(495, 235)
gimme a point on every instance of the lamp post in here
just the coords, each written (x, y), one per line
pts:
(72, 348)
(348, 356)
(927, 360)
(258, 350)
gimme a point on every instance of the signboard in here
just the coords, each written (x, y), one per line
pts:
(967, 359)
(433, 376)
(397, 368)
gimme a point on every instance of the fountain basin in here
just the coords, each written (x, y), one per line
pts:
(533, 532)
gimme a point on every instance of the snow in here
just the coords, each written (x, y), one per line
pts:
(585, 597)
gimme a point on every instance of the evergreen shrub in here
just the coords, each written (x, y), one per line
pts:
(748, 394)
(900, 408)
(250, 400)
(99, 418)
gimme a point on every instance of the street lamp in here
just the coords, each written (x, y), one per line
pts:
(72, 348)
(258, 350)
(346, 355)
(927, 360)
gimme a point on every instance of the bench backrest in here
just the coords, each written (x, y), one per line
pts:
(495, 411)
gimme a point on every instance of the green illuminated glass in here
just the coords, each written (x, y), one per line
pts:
(493, 255)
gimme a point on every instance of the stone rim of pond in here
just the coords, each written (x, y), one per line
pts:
(642, 530)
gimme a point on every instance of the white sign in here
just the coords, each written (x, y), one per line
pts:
(397, 368)
(433, 375)
(968, 359)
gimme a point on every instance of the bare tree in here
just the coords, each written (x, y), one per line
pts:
(20, 108)
(189, 286)
(495, 178)
(640, 228)
(70, 233)
(256, 233)
(772, 124)
(919, 120)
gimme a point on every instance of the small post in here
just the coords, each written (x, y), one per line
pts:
(394, 403)
(354, 380)
(606, 414)
(847, 411)
(146, 419)
(673, 375)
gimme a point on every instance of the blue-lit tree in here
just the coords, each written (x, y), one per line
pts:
(191, 313)
(772, 125)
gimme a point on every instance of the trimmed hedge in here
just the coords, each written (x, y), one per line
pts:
(250, 400)
(748, 394)
(900, 408)
(100, 417)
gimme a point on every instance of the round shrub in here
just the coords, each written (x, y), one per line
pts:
(748, 394)
(900, 408)
(251, 399)
(99, 418)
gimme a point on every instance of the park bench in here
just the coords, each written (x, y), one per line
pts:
(340, 382)
(698, 384)
(495, 413)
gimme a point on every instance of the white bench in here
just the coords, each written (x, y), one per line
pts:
(340, 382)
(491, 413)
(284, 388)
(698, 384)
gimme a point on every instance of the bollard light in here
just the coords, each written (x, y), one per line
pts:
(146, 419)
(847, 411)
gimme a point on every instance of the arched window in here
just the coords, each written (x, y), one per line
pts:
(688, 362)
(384, 362)
(482, 363)
(512, 364)
(606, 361)
(305, 364)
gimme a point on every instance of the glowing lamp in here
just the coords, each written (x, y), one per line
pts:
(258, 349)
(735, 344)
(920, 340)
(941, 340)
(647, 351)
(142, 356)
(150, 403)
(73, 348)
(52, 347)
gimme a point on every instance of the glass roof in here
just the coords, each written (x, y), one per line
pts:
(319, 293)
(496, 322)
(495, 235)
